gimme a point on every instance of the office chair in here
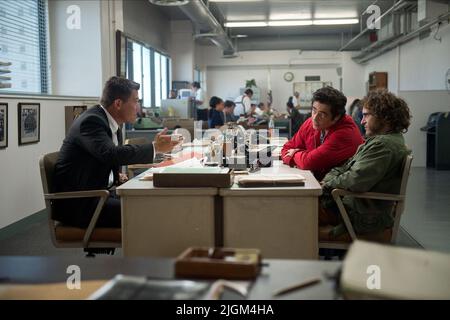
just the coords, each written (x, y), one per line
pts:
(92, 240)
(387, 236)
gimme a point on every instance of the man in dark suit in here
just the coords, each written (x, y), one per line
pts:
(92, 153)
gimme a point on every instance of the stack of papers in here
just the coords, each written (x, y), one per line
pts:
(271, 180)
(189, 163)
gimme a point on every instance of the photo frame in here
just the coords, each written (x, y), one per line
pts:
(72, 113)
(3, 125)
(29, 123)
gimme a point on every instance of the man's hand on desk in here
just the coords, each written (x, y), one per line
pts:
(291, 152)
(122, 178)
(164, 143)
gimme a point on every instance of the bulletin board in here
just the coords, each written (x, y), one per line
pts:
(306, 90)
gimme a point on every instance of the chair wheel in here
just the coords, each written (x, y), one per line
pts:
(91, 252)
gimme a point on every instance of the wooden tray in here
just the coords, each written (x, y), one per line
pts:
(218, 263)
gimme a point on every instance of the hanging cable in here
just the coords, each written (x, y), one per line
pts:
(435, 34)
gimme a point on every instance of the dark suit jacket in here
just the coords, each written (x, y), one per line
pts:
(86, 158)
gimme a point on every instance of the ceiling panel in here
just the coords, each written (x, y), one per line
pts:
(290, 10)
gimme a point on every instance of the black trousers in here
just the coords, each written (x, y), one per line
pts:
(110, 217)
(79, 212)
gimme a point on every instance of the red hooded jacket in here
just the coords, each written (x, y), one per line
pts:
(340, 143)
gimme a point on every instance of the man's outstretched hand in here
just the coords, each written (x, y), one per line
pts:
(163, 143)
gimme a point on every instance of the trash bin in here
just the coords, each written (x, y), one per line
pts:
(438, 140)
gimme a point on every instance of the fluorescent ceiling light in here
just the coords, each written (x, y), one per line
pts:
(243, 17)
(290, 23)
(246, 24)
(240, 36)
(235, 0)
(281, 23)
(290, 16)
(335, 22)
(336, 15)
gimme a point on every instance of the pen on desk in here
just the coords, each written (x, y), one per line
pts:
(297, 286)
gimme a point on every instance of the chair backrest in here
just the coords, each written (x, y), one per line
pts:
(47, 167)
(400, 207)
(405, 174)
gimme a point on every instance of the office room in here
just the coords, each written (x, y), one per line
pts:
(225, 149)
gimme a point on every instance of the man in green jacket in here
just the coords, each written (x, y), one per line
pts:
(376, 167)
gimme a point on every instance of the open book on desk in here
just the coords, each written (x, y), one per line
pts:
(188, 160)
(395, 272)
(270, 180)
(124, 287)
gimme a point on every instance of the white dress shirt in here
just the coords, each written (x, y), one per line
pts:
(114, 127)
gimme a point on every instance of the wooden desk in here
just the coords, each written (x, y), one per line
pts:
(282, 222)
(165, 221)
(39, 270)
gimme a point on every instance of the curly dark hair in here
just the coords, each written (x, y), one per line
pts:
(333, 98)
(389, 109)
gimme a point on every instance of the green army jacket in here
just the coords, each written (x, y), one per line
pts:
(376, 167)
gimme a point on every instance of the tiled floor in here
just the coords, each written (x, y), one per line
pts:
(427, 213)
(425, 223)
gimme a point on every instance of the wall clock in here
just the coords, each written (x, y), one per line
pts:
(288, 76)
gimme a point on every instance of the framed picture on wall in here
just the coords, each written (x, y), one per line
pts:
(3, 125)
(29, 123)
(72, 113)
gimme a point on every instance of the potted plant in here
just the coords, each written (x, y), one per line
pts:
(250, 83)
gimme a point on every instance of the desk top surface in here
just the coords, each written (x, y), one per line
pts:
(136, 187)
(278, 274)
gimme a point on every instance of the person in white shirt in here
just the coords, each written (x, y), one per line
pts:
(202, 109)
(244, 103)
(296, 99)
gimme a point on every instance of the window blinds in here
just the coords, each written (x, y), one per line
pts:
(23, 46)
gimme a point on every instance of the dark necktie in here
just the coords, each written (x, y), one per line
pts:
(119, 137)
(117, 169)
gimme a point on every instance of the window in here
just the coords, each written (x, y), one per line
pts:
(149, 68)
(146, 77)
(23, 46)
(197, 76)
(137, 65)
(157, 79)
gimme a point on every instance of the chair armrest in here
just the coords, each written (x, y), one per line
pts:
(141, 166)
(77, 194)
(367, 195)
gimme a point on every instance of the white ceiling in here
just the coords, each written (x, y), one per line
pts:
(292, 10)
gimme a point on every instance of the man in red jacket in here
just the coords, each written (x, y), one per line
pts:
(327, 139)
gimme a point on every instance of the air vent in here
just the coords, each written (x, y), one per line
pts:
(312, 78)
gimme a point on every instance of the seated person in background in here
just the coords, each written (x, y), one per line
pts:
(92, 153)
(173, 94)
(355, 112)
(295, 116)
(215, 115)
(376, 167)
(327, 139)
(229, 111)
(258, 110)
(296, 99)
